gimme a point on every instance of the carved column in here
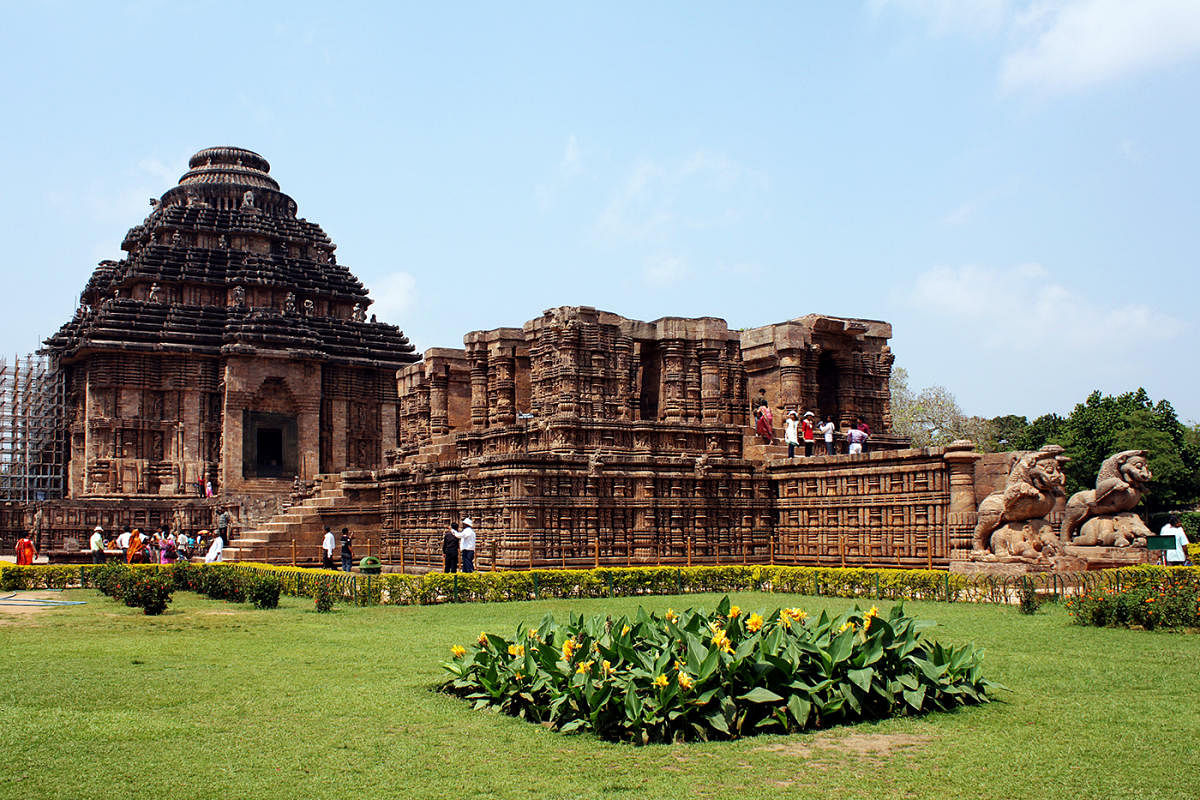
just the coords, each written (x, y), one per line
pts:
(672, 381)
(439, 413)
(504, 375)
(479, 398)
(960, 458)
(710, 386)
(791, 380)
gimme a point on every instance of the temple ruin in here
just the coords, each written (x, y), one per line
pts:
(230, 351)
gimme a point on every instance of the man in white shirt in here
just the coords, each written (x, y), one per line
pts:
(327, 546)
(96, 545)
(466, 544)
(827, 429)
(214, 551)
(1176, 556)
(123, 539)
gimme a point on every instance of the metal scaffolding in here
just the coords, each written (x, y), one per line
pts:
(33, 459)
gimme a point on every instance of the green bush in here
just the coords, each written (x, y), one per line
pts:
(1150, 598)
(722, 675)
(222, 582)
(148, 590)
(263, 591)
(322, 596)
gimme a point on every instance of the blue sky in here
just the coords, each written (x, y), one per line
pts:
(1014, 185)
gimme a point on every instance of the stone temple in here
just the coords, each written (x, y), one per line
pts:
(230, 350)
(228, 347)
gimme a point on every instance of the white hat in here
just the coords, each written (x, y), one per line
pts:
(791, 413)
(809, 414)
(468, 522)
(98, 528)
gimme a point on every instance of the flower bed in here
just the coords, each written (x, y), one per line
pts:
(1158, 600)
(721, 675)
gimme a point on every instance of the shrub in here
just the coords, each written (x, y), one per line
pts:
(263, 591)
(1029, 600)
(323, 596)
(722, 675)
(222, 582)
(1157, 601)
(148, 590)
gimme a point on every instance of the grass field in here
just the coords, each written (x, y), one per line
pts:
(214, 700)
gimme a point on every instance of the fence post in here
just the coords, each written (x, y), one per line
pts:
(597, 559)
(368, 547)
(689, 550)
(771, 542)
(947, 584)
(492, 566)
(293, 552)
(402, 556)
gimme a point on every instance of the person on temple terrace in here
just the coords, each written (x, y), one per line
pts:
(96, 545)
(790, 435)
(827, 428)
(862, 425)
(855, 438)
(1176, 556)
(26, 552)
(347, 554)
(806, 432)
(327, 545)
(450, 548)
(466, 541)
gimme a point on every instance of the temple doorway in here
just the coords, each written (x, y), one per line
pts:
(269, 445)
(827, 387)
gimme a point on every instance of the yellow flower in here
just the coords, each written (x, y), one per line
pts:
(685, 681)
(606, 667)
(483, 640)
(734, 611)
(625, 630)
(874, 612)
(680, 666)
(672, 616)
(569, 648)
(785, 621)
(661, 681)
(847, 624)
(795, 614)
(720, 640)
(532, 634)
(516, 650)
(584, 667)
(458, 651)
(714, 626)
(754, 623)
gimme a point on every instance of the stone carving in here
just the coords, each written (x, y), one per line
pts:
(222, 242)
(289, 303)
(176, 239)
(1012, 521)
(309, 306)
(359, 315)
(702, 466)
(248, 199)
(155, 295)
(1103, 516)
(595, 466)
(239, 297)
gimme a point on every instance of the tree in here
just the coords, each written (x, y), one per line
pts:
(933, 416)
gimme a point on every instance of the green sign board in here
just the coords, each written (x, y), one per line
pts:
(1160, 542)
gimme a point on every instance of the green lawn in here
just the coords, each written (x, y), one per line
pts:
(214, 700)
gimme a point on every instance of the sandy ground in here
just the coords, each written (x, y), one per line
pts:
(15, 611)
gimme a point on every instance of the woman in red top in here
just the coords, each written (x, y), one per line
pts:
(26, 552)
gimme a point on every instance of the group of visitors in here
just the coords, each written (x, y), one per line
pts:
(328, 544)
(799, 429)
(458, 542)
(160, 547)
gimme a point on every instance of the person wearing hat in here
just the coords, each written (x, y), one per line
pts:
(347, 553)
(96, 545)
(806, 431)
(466, 544)
(789, 433)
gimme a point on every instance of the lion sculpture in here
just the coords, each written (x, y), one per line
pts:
(1098, 516)
(1011, 521)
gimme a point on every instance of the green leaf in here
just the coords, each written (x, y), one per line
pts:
(799, 709)
(760, 695)
(717, 720)
(861, 677)
(916, 699)
(573, 726)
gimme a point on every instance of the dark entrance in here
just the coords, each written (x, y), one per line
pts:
(269, 445)
(827, 387)
(650, 379)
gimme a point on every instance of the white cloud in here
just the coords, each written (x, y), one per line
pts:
(1023, 308)
(662, 271)
(656, 199)
(1063, 45)
(394, 295)
(1085, 42)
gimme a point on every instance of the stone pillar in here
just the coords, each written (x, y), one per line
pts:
(504, 367)
(388, 440)
(960, 458)
(791, 381)
(439, 414)
(710, 386)
(672, 381)
(337, 436)
(479, 386)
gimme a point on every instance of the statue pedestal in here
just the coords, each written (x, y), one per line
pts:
(1001, 567)
(1079, 558)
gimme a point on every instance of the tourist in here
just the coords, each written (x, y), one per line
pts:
(450, 544)
(790, 435)
(216, 551)
(466, 542)
(1177, 556)
(123, 539)
(208, 490)
(168, 548)
(327, 545)
(856, 439)
(862, 425)
(223, 521)
(764, 420)
(136, 552)
(827, 428)
(26, 552)
(96, 545)
(806, 431)
(347, 555)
